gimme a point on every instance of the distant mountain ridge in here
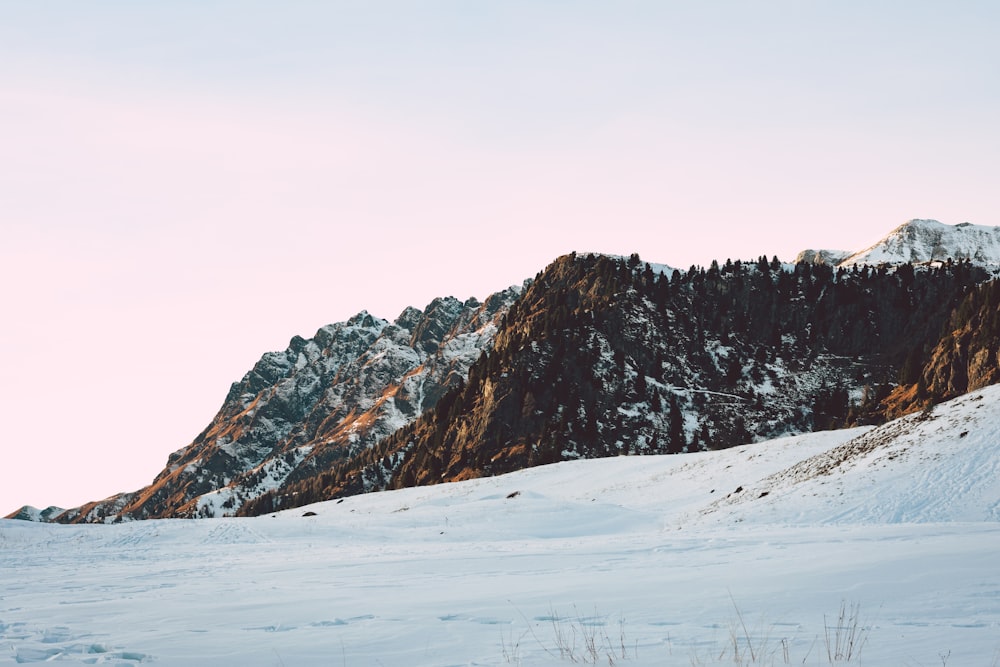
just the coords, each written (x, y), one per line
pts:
(596, 356)
(920, 242)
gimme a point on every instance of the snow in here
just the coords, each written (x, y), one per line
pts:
(661, 268)
(649, 560)
(926, 241)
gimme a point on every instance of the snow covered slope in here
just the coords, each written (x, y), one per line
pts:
(629, 560)
(922, 241)
(941, 465)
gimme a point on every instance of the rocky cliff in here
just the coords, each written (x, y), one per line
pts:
(319, 401)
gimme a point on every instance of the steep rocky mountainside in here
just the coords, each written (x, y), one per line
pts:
(322, 400)
(605, 356)
(965, 358)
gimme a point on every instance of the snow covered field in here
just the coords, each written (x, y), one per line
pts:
(633, 560)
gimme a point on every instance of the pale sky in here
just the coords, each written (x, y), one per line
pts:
(186, 185)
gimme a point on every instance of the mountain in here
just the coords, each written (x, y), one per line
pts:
(322, 399)
(599, 359)
(920, 242)
(596, 356)
(604, 356)
(924, 241)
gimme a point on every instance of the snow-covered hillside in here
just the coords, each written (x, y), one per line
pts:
(661, 560)
(922, 241)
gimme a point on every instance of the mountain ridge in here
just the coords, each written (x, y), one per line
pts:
(726, 380)
(352, 383)
(920, 241)
(332, 414)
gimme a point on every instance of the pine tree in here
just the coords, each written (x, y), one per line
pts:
(912, 368)
(640, 385)
(676, 432)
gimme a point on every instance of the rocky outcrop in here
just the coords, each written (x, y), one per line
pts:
(966, 358)
(827, 257)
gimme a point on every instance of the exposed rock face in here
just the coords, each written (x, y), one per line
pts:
(29, 513)
(827, 257)
(966, 358)
(321, 400)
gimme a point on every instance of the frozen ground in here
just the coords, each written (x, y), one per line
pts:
(636, 560)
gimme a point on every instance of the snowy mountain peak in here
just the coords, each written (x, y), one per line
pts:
(924, 241)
